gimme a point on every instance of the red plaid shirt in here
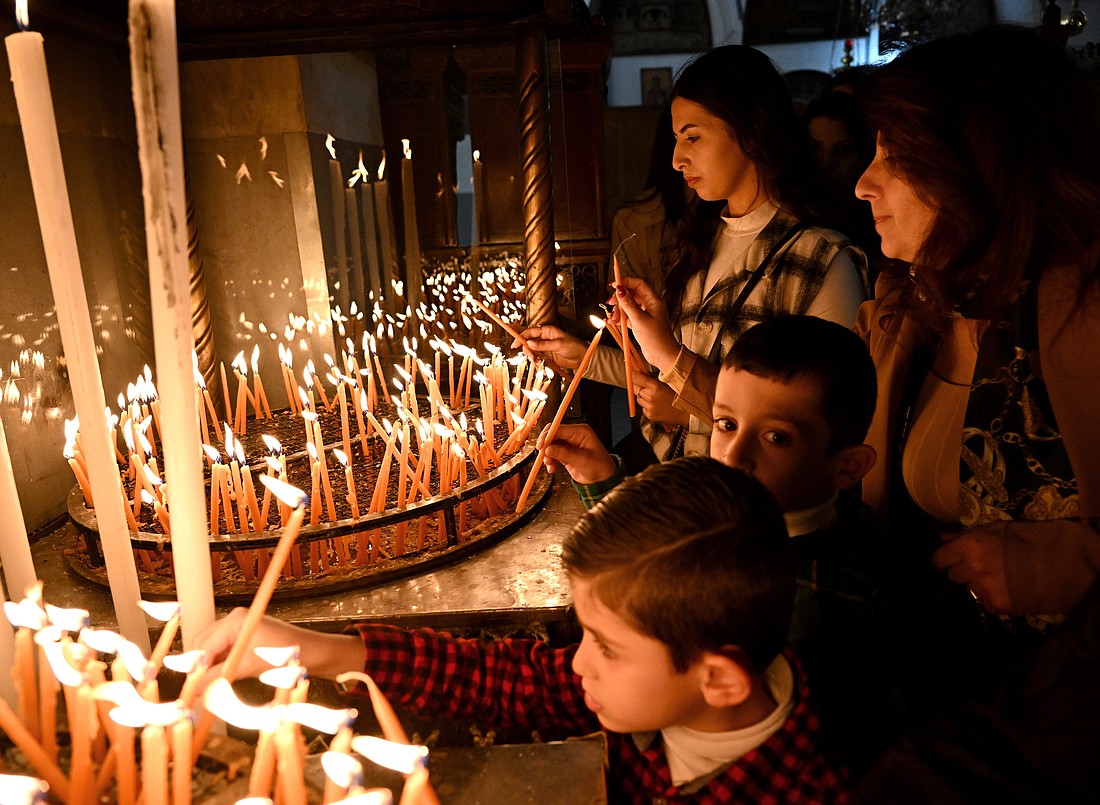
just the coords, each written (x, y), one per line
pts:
(527, 683)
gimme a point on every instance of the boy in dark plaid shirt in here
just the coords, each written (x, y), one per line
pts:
(683, 583)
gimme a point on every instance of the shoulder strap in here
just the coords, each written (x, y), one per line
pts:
(750, 285)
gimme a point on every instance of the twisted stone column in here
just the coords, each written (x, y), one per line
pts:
(202, 327)
(532, 70)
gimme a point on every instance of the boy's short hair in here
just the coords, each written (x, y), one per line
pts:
(692, 553)
(789, 347)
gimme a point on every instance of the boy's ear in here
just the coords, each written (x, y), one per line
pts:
(851, 463)
(725, 681)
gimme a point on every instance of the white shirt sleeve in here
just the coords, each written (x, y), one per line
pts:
(841, 292)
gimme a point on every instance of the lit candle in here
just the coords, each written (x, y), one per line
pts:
(503, 324)
(414, 275)
(26, 58)
(339, 277)
(154, 766)
(155, 75)
(553, 429)
(477, 233)
(296, 499)
(260, 393)
(370, 232)
(182, 734)
(624, 329)
(386, 237)
(356, 270)
(353, 501)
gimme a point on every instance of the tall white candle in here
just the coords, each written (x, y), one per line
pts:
(27, 59)
(155, 74)
(477, 231)
(370, 237)
(414, 276)
(340, 295)
(15, 549)
(386, 237)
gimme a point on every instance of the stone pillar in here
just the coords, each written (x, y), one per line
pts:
(538, 200)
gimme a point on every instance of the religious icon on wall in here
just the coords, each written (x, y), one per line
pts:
(656, 85)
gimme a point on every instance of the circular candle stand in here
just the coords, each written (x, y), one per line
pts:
(342, 555)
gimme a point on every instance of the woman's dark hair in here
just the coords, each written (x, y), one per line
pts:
(997, 130)
(741, 86)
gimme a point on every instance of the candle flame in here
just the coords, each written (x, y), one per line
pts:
(403, 758)
(290, 495)
(222, 701)
(341, 456)
(273, 445)
(344, 770)
(103, 641)
(26, 614)
(162, 611)
(133, 711)
(278, 656)
(373, 796)
(597, 322)
(382, 166)
(285, 677)
(477, 155)
(62, 671)
(21, 15)
(69, 620)
(188, 662)
(330, 144)
(407, 149)
(322, 719)
(20, 790)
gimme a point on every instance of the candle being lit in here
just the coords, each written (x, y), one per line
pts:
(552, 430)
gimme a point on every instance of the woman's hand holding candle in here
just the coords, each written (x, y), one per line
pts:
(552, 344)
(649, 321)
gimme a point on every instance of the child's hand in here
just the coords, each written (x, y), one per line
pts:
(554, 345)
(579, 450)
(649, 321)
(656, 399)
(319, 652)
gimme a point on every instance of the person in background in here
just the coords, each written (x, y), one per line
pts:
(844, 148)
(749, 251)
(986, 183)
(682, 582)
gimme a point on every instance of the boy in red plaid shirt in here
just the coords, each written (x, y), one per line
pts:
(683, 583)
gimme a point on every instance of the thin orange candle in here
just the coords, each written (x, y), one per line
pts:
(566, 399)
(624, 329)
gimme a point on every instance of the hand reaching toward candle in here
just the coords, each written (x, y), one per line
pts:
(649, 321)
(656, 399)
(579, 450)
(554, 345)
(325, 655)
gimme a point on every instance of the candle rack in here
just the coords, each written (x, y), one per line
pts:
(436, 520)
